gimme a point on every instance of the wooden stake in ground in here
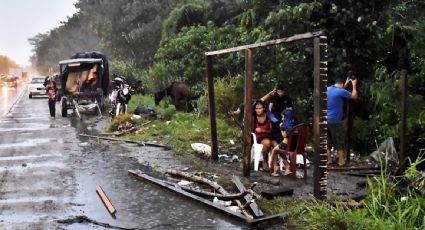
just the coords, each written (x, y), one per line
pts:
(105, 200)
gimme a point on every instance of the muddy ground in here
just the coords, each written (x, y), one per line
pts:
(340, 185)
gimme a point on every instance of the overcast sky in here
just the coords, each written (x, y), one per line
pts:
(22, 19)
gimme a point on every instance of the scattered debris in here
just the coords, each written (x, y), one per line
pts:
(124, 140)
(84, 144)
(127, 127)
(254, 208)
(139, 174)
(349, 168)
(202, 148)
(386, 152)
(145, 110)
(105, 200)
(184, 183)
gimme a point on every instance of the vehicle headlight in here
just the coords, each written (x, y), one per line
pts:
(125, 91)
(33, 89)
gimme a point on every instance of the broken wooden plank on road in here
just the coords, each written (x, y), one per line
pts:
(349, 168)
(140, 175)
(125, 140)
(257, 221)
(253, 206)
(212, 195)
(105, 200)
(363, 174)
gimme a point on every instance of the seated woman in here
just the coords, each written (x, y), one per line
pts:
(263, 131)
(289, 121)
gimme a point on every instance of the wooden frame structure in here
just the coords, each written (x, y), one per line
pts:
(320, 96)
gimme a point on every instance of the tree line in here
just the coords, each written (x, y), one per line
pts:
(163, 41)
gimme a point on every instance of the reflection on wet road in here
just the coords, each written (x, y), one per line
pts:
(48, 178)
(9, 95)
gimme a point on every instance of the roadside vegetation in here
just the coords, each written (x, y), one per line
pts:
(388, 205)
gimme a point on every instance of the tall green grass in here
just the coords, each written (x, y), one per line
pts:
(387, 206)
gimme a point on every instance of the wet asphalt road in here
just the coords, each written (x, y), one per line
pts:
(48, 177)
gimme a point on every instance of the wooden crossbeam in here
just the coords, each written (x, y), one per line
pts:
(296, 37)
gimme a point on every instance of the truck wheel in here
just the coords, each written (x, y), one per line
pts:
(64, 108)
(30, 96)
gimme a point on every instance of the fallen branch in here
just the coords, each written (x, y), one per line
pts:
(198, 179)
(124, 140)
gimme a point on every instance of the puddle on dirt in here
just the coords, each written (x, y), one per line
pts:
(27, 143)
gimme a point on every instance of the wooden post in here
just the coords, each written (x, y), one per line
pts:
(403, 119)
(247, 114)
(319, 118)
(350, 120)
(211, 109)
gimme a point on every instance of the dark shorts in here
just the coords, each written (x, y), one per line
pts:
(259, 140)
(282, 145)
(336, 136)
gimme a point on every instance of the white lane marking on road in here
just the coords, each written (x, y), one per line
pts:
(33, 127)
(27, 143)
(44, 166)
(16, 158)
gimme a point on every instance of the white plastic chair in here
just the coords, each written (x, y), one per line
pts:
(256, 155)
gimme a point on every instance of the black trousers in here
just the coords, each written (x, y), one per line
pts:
(52, 108)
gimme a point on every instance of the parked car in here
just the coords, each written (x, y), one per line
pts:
(9, 81)
(36, 87)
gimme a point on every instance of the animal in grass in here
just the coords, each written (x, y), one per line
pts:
(179, 93)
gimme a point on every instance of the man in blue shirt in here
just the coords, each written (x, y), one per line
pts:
(336, 96)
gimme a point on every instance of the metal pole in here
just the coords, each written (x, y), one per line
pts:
(319, 119)
(211, 109)
(403, 119)
(247, 114)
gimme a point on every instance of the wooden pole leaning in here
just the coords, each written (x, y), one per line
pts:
(247, 114)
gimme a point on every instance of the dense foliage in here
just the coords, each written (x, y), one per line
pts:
(164, 41)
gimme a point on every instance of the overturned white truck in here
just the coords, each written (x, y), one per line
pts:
(84, 80)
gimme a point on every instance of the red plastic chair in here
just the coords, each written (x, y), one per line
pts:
(294, 147)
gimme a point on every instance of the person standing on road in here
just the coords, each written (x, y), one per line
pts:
(336, 135)
(51, 92)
